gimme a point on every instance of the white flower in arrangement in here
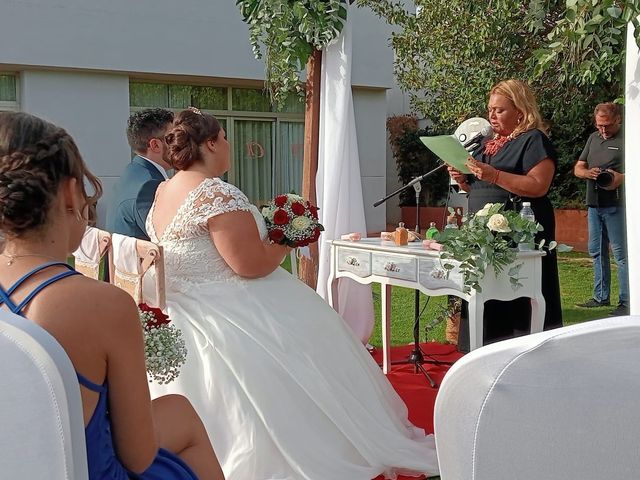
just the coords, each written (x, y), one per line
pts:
(301, 223)
(498, 223)
(485, 210)
(268, 211)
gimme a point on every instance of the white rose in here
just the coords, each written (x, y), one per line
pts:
(498, 223)
(267, 212)
(301, 223)
(485, 210)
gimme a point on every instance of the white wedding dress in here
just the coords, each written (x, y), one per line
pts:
(284, 388)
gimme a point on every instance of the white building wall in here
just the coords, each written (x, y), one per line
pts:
(371, 132)
(93, 108)
(75, 58)
(191, 37)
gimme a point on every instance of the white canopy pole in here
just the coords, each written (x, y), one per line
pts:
(632, 165)
(338, 181)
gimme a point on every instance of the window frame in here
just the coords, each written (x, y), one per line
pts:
(229, 116)
(11, 106)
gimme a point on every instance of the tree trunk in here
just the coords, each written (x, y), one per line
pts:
(308, 271)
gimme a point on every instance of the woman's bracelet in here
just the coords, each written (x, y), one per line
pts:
(495, 179)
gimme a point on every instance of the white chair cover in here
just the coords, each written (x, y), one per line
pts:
(41, 421)
(561, 404)
(126, 265)
(129, 274)
(88, 255)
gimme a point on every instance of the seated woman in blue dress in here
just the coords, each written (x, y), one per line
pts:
(43, 216)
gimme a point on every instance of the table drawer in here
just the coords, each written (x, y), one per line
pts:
(403, 267)
(354, 261)
(433, 275)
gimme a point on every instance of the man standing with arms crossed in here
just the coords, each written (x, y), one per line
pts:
(601, 163)
(135, 191)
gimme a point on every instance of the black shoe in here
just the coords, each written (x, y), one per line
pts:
(620, 311)
(593, 303)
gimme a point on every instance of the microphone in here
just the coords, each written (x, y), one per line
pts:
(479, 136)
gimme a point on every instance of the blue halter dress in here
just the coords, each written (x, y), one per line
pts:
(101, 456)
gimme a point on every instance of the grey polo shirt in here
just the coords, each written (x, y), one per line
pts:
(604, 154)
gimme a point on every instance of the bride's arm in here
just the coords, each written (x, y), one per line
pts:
(236, 237)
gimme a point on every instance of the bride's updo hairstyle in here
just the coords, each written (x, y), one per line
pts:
(35, 156)
(191, 128)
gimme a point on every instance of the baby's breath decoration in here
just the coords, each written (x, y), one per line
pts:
(289, 30)
(164, 348)
(490, 238)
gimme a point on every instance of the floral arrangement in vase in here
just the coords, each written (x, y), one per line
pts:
(292, 220)
(164, 348)
(490, 238)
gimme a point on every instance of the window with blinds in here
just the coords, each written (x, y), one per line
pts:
(8, 92)
(267, 144)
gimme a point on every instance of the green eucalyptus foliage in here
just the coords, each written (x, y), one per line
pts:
(285, 32)
(586, 44)
(487, 240)
(449, 55)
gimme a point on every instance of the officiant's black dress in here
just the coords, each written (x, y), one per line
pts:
(509, 319)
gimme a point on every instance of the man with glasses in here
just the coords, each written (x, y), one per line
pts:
(601, 163)
(136, 188)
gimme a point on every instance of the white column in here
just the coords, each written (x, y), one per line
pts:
(632, 165)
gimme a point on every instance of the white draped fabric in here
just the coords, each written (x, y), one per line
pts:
(632, 165)
(338, 183)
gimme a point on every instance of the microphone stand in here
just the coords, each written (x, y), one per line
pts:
(416, 357)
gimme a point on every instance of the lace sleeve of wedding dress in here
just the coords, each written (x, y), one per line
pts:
(214, 198)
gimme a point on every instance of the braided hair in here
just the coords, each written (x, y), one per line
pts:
(35, 156)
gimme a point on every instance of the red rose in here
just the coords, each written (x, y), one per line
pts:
(298, 208)
(314, 211)
(316, 234)
(280, 217)
(276, 235)
(280, 200)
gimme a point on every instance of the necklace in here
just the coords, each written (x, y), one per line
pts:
(495, 144)
(12, 257)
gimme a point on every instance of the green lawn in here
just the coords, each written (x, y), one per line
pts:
(576, 280)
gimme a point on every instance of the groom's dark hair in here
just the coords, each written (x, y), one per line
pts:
(145, 125)
(191, 128)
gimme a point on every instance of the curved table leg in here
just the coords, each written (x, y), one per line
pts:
(476, 321)
(538, 308)
(386, 328)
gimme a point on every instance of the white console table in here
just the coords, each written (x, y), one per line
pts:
(372, 260)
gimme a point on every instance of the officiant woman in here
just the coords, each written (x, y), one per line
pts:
(515, 164)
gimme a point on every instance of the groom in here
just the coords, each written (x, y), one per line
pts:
(135, 191)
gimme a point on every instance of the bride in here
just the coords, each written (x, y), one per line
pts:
(284, 388)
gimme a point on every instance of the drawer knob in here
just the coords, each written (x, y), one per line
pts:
(438, 273)
(391, 267)
(352, 261)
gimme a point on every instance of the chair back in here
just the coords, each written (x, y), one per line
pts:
(137, 267)
(556, 405)
(41, 420)
(95, 244)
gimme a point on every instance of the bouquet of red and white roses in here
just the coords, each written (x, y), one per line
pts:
(292, 220)
(164, 348)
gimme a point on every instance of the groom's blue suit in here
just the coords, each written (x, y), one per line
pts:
(132, 198)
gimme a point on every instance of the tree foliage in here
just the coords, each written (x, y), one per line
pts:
(586, 45)
(285, 32)
(449, 54)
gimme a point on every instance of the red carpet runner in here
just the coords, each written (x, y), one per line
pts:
(413, 387)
